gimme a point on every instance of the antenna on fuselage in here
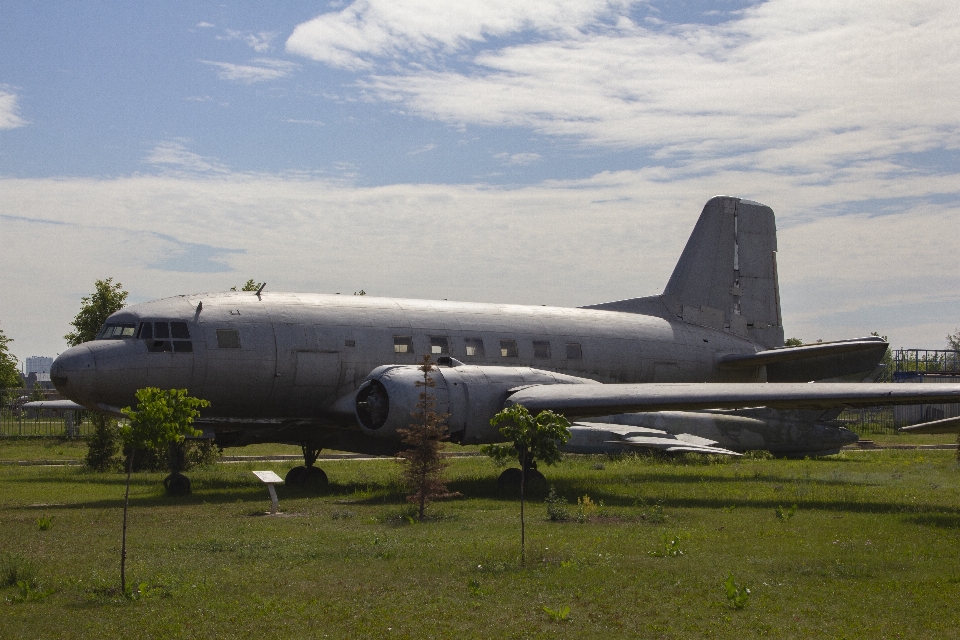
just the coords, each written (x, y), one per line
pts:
(262, 285)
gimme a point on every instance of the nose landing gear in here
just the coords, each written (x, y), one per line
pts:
(307, 475)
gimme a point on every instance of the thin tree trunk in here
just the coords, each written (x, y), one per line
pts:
(123, 543)
(523, 475)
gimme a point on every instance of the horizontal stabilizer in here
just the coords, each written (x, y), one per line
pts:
(804, 352)
(591, 437)
(947, 425)
(581, 401)
(56, 405)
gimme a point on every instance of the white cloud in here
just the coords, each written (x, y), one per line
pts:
(205, 25)
(612, 236)
(425, 148)
(9, 118)
(517, 158)
(813, 86)
(259, 42)
(175, 154)
(261, 70)
(356, 36)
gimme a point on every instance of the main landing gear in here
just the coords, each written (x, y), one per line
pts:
(307, 475)
(510, 479)
(176, 483)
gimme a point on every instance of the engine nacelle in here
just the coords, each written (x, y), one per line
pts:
(471, 395)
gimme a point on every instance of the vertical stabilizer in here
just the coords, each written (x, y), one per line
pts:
(726, 277)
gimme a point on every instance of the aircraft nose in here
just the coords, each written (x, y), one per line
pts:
(74, 374)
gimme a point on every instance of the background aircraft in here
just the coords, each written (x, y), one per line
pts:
(701, 367)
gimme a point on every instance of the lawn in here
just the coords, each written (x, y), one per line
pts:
(870, 551)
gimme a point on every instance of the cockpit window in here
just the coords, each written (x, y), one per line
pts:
(117, 331)
(166, 337)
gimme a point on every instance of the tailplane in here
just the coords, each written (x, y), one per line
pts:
(726, 277)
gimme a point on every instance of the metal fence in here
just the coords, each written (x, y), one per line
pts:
(868, 421)
(15, 421)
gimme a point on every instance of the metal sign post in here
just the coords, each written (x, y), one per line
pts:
(269, 478)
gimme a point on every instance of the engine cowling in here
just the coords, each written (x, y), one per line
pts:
(470, 395)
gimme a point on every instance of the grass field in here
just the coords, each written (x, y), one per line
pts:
(870, 551)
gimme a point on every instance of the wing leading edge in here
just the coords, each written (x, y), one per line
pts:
(583, 401)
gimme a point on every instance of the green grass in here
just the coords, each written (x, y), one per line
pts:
(871, 551)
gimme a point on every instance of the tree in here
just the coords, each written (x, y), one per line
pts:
(9, 373)
(161, 418)
(953, 341)
(107, 299)
(793, 342)
(534, 438)
(249, 286)
(423, 475)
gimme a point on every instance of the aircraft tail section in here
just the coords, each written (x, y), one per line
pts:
(726, 277)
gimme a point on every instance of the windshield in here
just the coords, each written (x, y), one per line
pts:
(113, 331)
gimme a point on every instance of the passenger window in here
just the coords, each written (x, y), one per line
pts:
(228, 339)
(474, 347)
(439, 345)
(402, 344)
(349, 343)
(508, 348)
(573, 351)
(541, 349)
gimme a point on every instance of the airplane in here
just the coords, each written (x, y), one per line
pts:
(701, 367)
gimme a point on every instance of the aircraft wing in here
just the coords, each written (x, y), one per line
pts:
(947, 425)
(592, 437)
(581, 401)
(60, 405)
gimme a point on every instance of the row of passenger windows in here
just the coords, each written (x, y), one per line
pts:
(440, 345)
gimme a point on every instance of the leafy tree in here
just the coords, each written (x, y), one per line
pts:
(953, 341)
(423, 475)
(162, 417)
(534, 438)
(793, 342)
(9, 373)
(249, 286)
(107, 299)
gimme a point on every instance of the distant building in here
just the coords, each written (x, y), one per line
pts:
(37, 369)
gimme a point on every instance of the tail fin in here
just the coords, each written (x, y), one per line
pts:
(726, 277)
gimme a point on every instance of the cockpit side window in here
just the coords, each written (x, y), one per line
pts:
(117, 331)
(165, 337)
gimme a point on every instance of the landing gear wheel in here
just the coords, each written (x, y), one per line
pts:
(509, 479)
(295, 476)
(315, 477)
(306, 477)
(177, 484)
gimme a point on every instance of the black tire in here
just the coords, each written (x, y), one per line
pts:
(315, 477)
(177, 484)
(295, 476)
(509, 479)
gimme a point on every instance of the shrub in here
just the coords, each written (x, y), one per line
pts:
(556, 507)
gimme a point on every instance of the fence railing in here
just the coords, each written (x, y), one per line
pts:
(15, 421)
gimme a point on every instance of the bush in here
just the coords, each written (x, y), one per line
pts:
(556, 507)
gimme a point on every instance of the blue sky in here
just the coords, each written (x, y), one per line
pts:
(553, 152)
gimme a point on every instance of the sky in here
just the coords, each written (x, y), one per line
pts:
(541, 152)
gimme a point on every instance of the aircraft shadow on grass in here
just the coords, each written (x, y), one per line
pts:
(242, 490)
